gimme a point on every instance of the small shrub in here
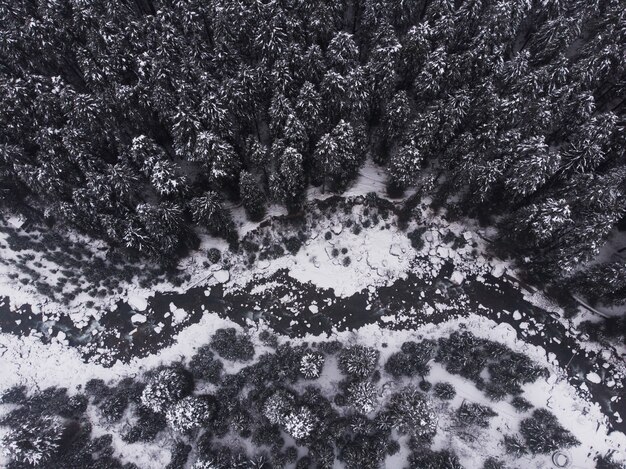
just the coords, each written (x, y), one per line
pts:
(521, 404)
(34, 442)
(415, 236)
(311, 365)
(513, 445)
(166, 387)
(425, 386)
(268, 338)
(444, 391)
(358, 361)
(474, 414)
(493, 463)
(214, 255)
(232, 346)
(543, 433)
(191, 413)
(411, 412)
(204, 366)
(293, 245)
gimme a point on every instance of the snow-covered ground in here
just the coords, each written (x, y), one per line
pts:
(378, 255)
(21, 288)
(24, 360)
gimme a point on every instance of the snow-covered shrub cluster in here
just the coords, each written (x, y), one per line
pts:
(166, 387)
(190, 413)
(543, 433)
(412, 359)
(358, 361)
(232, 346)
(300, 422)
(311, 364)
(411, 412)
(35, 442)
(278, 411)
(444, 391)
(467, 355)
(363, 395)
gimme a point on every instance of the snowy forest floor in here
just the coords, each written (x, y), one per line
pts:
(345, 265)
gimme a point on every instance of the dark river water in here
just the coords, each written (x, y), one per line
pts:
(284, 305)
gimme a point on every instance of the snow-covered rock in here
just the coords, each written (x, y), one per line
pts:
(221, 276)
(138, 318)
(137, 302)
(593, 377)
(457, 277)
(395, 250)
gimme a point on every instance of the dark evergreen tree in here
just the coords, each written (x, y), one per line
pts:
(252, 196)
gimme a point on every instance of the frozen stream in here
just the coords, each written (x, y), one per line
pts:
(293, 308)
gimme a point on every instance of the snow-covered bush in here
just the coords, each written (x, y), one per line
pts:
(34, 442)
(166, 387)
(543, 433)
(412, 359)
(411, 412)
(278, 406)
(425, 385)
(509, 373)
(203, 365)
(444, 391)
(514, 445)
(206, 464)
(463, 354)
(300, 422)
(232, 346)
(474, 414)
(521, 404)
(311, 364)
(365, 451)
(493, 463)
(190, 413)
(358, 361)
(427, 459)
(363, 395)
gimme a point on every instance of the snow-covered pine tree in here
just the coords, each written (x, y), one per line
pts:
(403, 167)
(342, 53)
(300, 423)
(287, 183)
(309, 109)
(34, 442)
(358, 361)
(207, 210)
(363, 395)
(311, 364)
(412, 413)
(336, 156)
(165, 388)
(252, 196)
(190, 413)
